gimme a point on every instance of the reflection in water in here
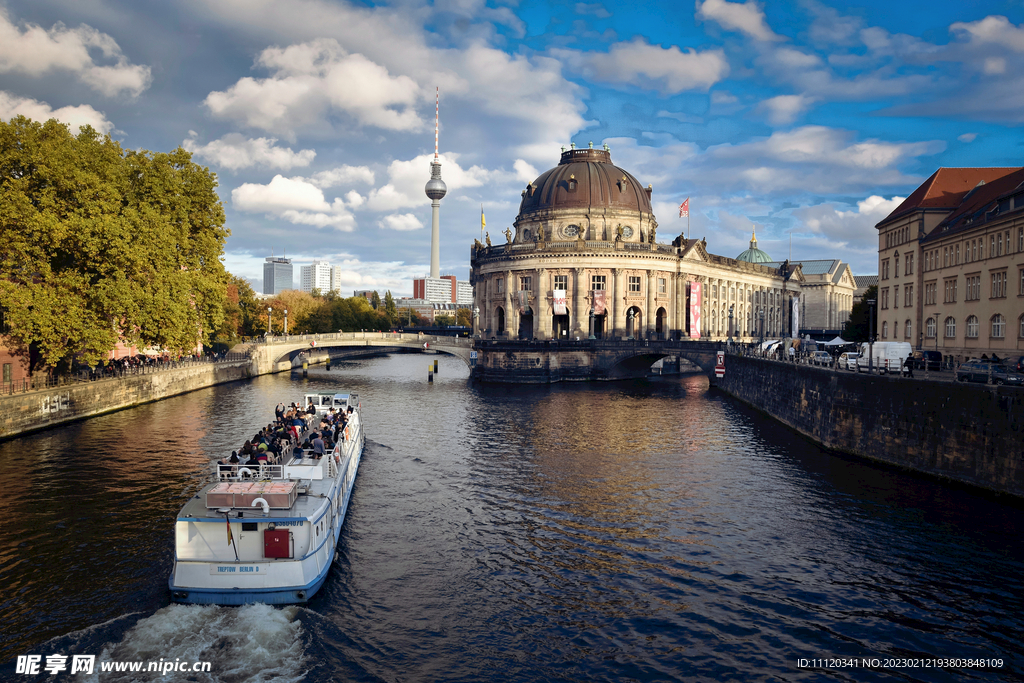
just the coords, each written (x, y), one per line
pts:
(647, 530)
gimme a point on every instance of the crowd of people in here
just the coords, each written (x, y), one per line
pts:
(298, 432)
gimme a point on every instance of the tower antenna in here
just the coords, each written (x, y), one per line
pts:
(437, 112)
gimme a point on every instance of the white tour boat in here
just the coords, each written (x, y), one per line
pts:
(268, 535)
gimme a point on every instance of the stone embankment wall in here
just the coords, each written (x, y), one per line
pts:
(969, 433)
(20, 413)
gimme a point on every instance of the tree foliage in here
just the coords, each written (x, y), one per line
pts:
(102, 244)
(390, 310)
(857, 327)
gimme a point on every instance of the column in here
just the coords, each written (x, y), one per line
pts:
(617, 319)
(652, 305)
(509, 315)
(542, 309)
(679, 296)
(580, 312)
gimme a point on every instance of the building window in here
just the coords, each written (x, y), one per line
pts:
(634, 283)
(1022, 326)
(896, 265)
(562, 282)
(929, 292)
(999, 285)
(998, 326)
(885, 269)
(908, 268)
(908, 296)
(885, 330)
(501, 285)
(7, 373)
(714, 291)
(992, 246)
(662, 287)
(950, 327)
(907, 328)
(526, 283)
(1020, 239)
(884, 296)
(896, 296)
(929, 328)
(999, 245)
(597, 282)
(972, 327)
(1022, 282)
(950, 290)
(973, 292)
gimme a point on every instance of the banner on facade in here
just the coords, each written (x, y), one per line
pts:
(796, 317)
(559, 301)
(695, 301)
(523, 300)
(598, 298)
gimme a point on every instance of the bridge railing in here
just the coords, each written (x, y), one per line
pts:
(407, 337)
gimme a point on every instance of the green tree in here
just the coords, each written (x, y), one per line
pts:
(375, 300)
(464, 317)
(857, 327)
(443, 320)
(390, 310)
(103, 244)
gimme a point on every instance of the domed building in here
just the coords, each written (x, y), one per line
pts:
(754, 255)
(582, 260)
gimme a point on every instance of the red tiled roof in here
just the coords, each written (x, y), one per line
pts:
(985, 195)
(946, 188)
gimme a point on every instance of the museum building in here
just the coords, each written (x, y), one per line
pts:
(583, 260)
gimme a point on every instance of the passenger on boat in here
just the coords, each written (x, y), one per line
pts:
(229, 466)
(252, 463)
(318, 445)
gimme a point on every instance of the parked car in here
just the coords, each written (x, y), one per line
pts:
(982, 370)
(1015, 363)
(848, 360)
(821, 358)
(926, 360)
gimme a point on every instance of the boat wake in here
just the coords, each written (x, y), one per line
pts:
(250, 643)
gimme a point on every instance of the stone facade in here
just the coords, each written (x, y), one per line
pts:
(951, 265)
(586, 228)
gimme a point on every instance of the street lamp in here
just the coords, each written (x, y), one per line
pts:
(871, 335)
(269, 310)
(760, 314)
(286, 322)
(592, 324)
(730, 324)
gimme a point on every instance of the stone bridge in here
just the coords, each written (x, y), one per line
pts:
(277, 354)
(542, 362)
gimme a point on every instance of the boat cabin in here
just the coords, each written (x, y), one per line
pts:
(324, 401)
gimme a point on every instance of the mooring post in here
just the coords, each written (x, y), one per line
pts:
(435, 365)
(430, 373)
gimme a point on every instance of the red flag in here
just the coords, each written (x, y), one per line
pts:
(684, 208)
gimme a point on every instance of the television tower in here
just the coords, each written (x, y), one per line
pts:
(436, 190)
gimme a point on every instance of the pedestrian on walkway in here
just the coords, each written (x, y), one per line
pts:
(909, 365)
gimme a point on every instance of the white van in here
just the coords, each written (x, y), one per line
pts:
(888, 357)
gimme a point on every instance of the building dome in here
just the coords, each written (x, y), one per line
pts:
(754, 255)
(585, 179)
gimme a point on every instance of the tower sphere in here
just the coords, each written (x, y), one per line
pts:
(435, 188)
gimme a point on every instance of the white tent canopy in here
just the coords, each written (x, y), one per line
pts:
(838, 341)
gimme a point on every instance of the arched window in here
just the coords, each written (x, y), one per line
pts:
(998, 326)
(1022, 326)
(929, 328)
(885, 330)
(972, 327)
(950, 327)
(907, 329)
(896, 329)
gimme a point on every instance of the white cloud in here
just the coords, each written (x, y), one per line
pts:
(83, 114)
(234, 151)
(525, 173)
(848, 229)
(311, 80)
(747, 18)
(992, 30)
(294, 200)
(595, 9)
(668, 69)
(967, 137)
(342, 175)
(34, 50)
(784, 109)
(402, 222)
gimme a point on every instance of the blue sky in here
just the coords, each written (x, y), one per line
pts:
(810, 120)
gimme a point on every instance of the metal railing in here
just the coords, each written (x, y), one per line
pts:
(116, 369)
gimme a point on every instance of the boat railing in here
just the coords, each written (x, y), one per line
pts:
(243, 473)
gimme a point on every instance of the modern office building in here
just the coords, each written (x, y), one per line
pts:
(316, 276)
(277, 275)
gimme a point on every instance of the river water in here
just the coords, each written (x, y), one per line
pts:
(645, 530)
